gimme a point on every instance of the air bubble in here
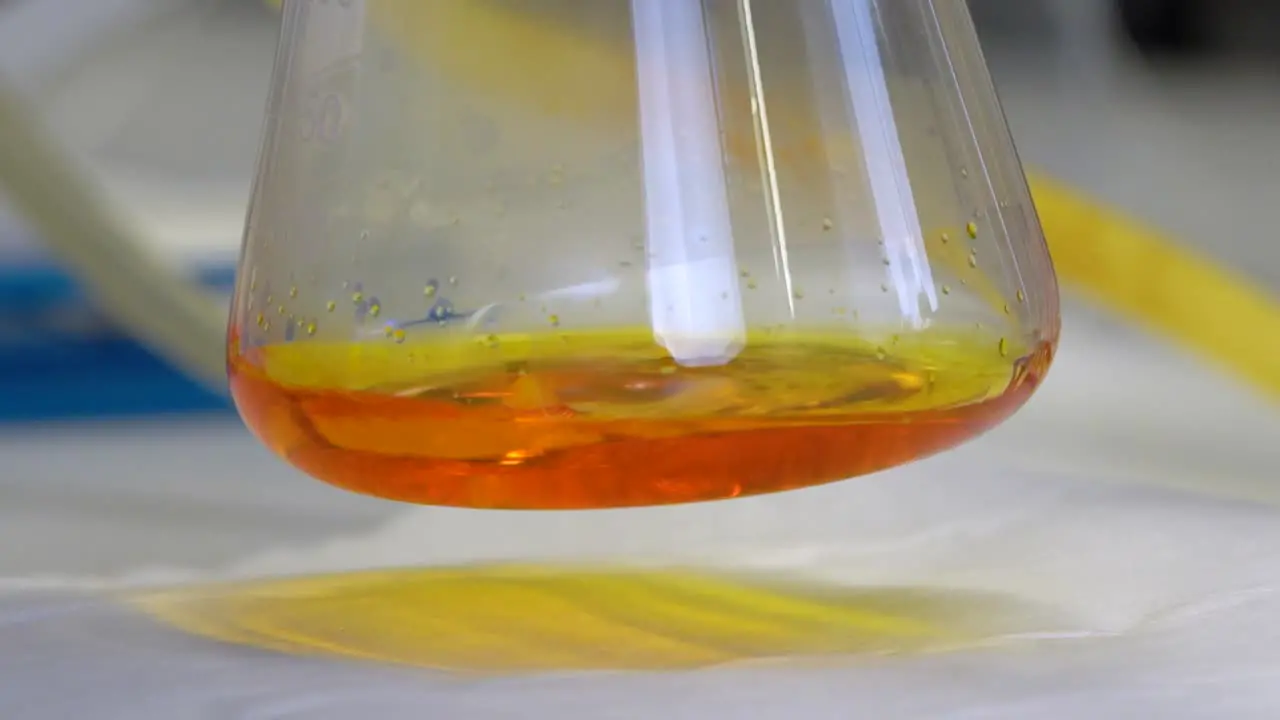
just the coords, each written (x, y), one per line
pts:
(357, 297)
(398, 335)
(946, 289)
(751, 285)
(827, 224)
(375, 309)
(1022, 297)
(1004, 347)
(262, 321)
(798, 294)
(453, 279)
(973, 260)
(311, 328)
(964, 172)
(972, 230)
(293, 292)
(946, 238)
(331, 306)
(280, 310)
(554, 320)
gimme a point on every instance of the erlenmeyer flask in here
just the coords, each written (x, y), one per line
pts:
(594, 255)
(561, 254)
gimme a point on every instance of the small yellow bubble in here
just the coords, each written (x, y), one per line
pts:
(293, 292)
(453, 279)
(301, 323)
(357, 297)
(972, 230)
(946, 238)
(280, 310)
(266, 325)
(1004, 347)
(262, 320)
(827, 223)
(973, 260)
(554, 320)
(331, 306)
(799, 294)
(751, 285)
(429, 291)
(1006, 308)
(1022, 297)
(964, 172)
(270, 299)
(946, 289)
(398, 335)
(375, 310)
(388, 331)
(311, 328)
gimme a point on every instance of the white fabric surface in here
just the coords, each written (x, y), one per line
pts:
(1169, 598)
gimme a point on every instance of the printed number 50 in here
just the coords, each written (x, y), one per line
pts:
(323, 117)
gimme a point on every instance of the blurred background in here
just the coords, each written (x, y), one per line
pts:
(112, 462)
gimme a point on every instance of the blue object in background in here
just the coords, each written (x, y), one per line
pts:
(60, 358)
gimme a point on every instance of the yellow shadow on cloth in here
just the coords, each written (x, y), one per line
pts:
(509, 619)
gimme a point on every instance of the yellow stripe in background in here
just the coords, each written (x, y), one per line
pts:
(1139, 273)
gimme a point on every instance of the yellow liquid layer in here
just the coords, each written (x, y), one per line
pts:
(608, 419)
(540, 619)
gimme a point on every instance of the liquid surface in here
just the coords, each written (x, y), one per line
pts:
(545, 618)
(597, 420)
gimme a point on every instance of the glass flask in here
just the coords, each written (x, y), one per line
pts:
(622, 264)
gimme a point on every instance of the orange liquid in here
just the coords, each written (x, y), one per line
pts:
(600, 420)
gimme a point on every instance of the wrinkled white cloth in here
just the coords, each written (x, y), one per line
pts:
(1138, 495)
